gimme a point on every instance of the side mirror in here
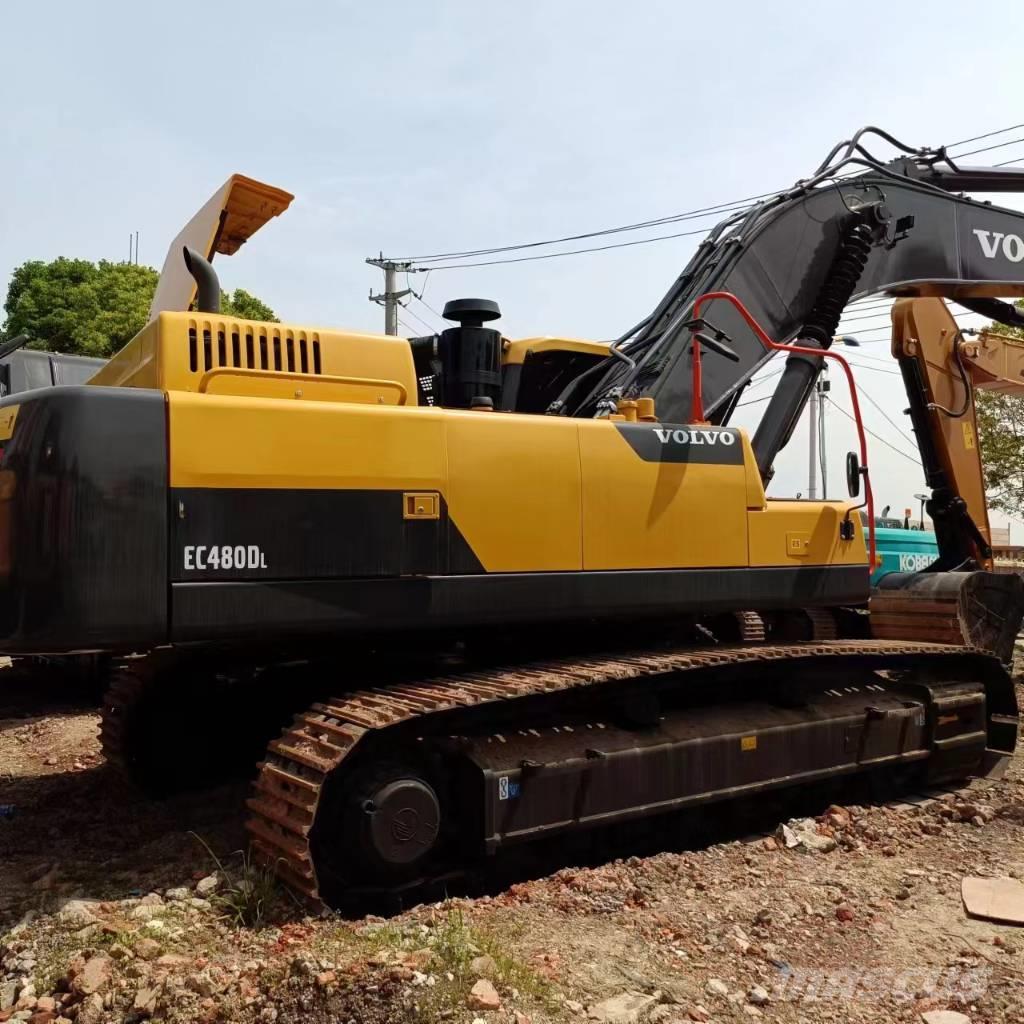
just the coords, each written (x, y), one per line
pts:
(853, 474)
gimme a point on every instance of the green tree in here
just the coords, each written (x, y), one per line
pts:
(93, 309)
(1001, 437)
(242, 304)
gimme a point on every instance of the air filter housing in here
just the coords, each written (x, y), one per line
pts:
(470, 354)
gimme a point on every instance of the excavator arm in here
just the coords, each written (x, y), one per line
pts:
(942, 368)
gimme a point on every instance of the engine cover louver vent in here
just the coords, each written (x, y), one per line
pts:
(240, 346)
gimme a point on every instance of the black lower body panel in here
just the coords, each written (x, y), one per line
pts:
(204, 611)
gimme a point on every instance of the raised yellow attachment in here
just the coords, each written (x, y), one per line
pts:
(235, 212)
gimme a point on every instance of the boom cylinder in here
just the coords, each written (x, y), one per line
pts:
(801, 372)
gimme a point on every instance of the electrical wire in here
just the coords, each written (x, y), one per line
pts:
(892, 423)
(418, 318)
(418, 296)
(754, 401)
(430, 307)
(705, 211)
(886, 327)
(874, 369)
(767, 376)
(986, 135)
(877, 437)
(412, 332)
(569, 252)
(986, 149)
(701, 212)
(873, 359)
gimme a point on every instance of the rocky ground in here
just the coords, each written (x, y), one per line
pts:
(115, 909)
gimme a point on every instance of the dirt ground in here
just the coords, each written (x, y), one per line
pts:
(115, 909)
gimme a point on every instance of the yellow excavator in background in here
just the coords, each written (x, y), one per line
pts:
(506, 590)
(942, 367)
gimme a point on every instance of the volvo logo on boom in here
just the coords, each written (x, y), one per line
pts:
(994, 242)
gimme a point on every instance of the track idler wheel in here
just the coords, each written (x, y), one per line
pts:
(398, 820)
(380, 826)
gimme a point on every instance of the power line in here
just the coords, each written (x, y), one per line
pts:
(874, 369)
(856, 307)
(716, 210)
(413, 313)
(419, 295)
(898, 451)
(887, 327)
(767, 376)
(986, 149)
(867, 316)
(442, 326)
(569, 252)
(873, 359)
(419, 298)
(754, 401)
(899, 430)
(986, 135)
(700, 212)
(412, 331)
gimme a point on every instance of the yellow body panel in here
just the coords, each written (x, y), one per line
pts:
(657, 515)
(516, 351)
(528, 493)
(776, 531)
(230, 441)
(514, 489)
(177, 352)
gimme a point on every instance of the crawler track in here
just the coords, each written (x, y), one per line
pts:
(293, 779)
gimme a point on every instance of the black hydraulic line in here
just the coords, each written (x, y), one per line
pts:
(794, 389)
(852, 144)
(776, 258)
(1002, 312)
(12, 345)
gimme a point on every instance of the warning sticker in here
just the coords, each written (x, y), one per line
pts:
(508, 789)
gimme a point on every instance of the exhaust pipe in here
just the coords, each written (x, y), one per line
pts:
(207, 282)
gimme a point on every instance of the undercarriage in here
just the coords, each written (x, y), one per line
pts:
(397, 776)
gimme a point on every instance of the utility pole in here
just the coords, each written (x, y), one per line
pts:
(390, 296)
(812, 454)
(816, 414)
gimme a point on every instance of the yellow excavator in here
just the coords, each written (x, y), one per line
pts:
(490, 591)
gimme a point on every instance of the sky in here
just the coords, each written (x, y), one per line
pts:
(411, 128)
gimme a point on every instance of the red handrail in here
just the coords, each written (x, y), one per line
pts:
(698, 399)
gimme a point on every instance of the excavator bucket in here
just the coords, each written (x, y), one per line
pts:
(972, 609)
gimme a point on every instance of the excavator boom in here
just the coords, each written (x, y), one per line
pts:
(794, 261)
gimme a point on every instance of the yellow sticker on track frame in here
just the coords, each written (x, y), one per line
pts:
(7, 417)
